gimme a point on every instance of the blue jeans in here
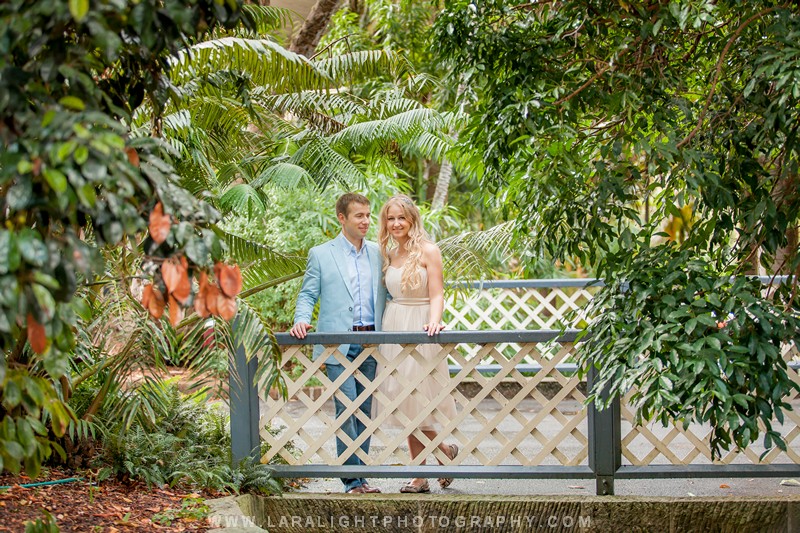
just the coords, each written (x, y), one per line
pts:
(352, 427)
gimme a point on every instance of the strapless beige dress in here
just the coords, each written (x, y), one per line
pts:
(410, 312)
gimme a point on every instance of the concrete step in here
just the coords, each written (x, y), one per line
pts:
(483, 513)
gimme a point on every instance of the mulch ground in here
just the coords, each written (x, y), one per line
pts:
(108, 507)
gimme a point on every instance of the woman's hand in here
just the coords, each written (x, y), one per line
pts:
(433, 328)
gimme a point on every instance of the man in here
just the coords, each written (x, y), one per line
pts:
(344, 275)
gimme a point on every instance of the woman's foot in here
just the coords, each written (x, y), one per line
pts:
(416, 485)
(445, 482)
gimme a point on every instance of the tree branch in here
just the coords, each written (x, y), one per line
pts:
(718, 71)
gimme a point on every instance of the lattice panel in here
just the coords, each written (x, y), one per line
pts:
(678, 446)
(497, 423)
(524, 308)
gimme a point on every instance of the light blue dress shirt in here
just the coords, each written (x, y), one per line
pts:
(360, 282)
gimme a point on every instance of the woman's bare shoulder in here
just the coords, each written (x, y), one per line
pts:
(430, 253)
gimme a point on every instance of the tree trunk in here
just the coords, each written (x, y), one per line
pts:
(442, 185)
(785, 256)
(307, 39)
(446, 170)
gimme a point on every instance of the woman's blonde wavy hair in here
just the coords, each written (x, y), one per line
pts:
(411, 279)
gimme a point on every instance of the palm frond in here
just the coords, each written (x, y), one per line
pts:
(403, 128)
(347, 69)
(263, 19)
(249, 331)
(243, 200)
(255, 255)
(390, 103)
(285, 175)
(464, 255)
(324, 110)
(426, 145)
(263, 274)
(325, 164)
(266, 62)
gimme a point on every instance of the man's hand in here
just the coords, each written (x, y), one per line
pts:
(300, 329)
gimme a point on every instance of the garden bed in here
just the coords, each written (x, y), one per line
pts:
(109, 506)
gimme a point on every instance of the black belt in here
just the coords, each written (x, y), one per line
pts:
(364, 328)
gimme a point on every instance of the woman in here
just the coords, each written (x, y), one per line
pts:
(412, 267)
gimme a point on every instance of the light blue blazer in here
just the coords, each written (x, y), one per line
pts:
(327, 280)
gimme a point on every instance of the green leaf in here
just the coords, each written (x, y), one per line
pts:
(9, 253)
(87, 195)
(707, 319)
(33, 250)
(81, 154)
(47, 304)
(78, 9)
(56, 179)
(741, 399)
(56, 364)
(34, 391)
(12, 394)
(72, 102)
(714, 343)
(26, 437)
(13, 449)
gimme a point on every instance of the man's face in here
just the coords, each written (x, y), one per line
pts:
(356, 223)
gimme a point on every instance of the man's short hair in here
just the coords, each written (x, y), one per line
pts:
(344, 201)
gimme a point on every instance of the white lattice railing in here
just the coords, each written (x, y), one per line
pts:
(520, 403)
(542, 304)
(508, 417)
(520, 304)
(498, 422)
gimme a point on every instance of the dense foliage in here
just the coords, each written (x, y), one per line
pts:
(74, 181)
(652, 137)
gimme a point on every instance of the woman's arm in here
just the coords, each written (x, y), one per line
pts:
(433, 264)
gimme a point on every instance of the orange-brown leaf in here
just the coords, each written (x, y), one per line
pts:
(212, 291)
(171, 274)
(226, 306)
(200, 306)
(159, 224)
(147, 293)
(156, 304)
(230, 280)
(36, 335)
(133, 156)
(175, 311)
(179, 285)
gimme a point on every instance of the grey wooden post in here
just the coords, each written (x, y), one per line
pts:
(605, 441)
(245, 439)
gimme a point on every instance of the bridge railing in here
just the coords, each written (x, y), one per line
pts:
(520, 413)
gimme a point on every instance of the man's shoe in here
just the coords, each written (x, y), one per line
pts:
(356, 490)
(369, 490)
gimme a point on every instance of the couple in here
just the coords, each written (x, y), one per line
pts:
(350, 276)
